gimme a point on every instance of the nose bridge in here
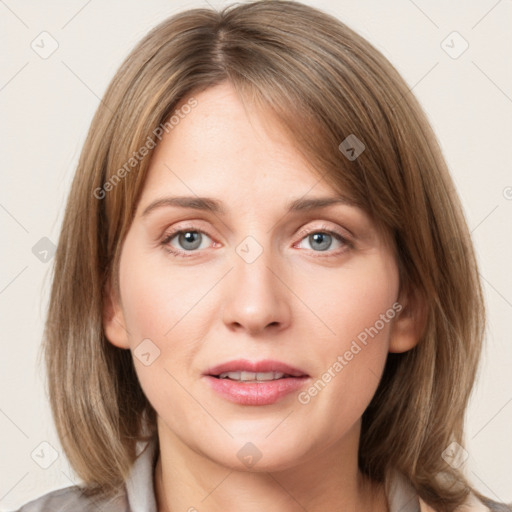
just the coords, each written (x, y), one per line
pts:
(257, 297)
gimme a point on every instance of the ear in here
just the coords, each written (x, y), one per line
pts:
(410, 322)
(113, 319)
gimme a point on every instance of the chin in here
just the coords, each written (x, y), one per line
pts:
(258, 453)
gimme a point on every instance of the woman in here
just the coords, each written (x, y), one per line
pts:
(202, 352)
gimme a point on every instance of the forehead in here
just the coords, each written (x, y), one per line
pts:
(226, 148)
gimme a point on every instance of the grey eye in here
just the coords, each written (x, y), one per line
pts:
(322, 241)
(189, 240)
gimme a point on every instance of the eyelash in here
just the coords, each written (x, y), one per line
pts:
(323, 229)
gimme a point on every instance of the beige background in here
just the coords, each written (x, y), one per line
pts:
(46, 105)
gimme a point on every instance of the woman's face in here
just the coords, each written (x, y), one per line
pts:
(314, 288)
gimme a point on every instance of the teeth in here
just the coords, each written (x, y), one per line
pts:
(251, 376)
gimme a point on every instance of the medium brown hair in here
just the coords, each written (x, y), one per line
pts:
(323, 82)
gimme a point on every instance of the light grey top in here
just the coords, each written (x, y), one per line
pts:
(139, 496)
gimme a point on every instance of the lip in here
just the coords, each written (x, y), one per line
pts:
(255, 393)
(266, 365)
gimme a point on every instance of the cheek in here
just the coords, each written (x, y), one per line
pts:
(362, 302)
(146, 309)
(356, 309)
(155, 306)
(351, 299)
(164, 316)
(156, 296)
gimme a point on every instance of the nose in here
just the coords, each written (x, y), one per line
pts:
(257, 298)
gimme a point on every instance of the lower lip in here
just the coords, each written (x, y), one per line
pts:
(255, 393)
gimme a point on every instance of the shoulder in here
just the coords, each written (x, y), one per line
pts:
(136, 493)
(473, 504)
(494, 506)
(72, 499)
(403, 497)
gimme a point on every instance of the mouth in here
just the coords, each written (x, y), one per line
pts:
(245, 370)
(243, 376)
(255, 383)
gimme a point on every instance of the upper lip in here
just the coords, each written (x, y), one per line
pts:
(266, 365)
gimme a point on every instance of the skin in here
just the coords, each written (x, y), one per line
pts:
(295, 303)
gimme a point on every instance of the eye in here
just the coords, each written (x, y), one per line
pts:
(188, 240)
(321, 240)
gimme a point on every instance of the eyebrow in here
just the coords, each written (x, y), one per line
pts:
(213, 205)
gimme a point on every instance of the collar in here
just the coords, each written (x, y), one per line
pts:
(402, 497)
(140, 483)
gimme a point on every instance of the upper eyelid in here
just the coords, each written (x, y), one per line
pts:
(173, 232)
(323, 228)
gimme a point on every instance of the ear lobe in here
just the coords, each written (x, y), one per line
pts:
(113, 320)
(409, 325)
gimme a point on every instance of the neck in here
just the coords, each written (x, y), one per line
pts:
(186, 480)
